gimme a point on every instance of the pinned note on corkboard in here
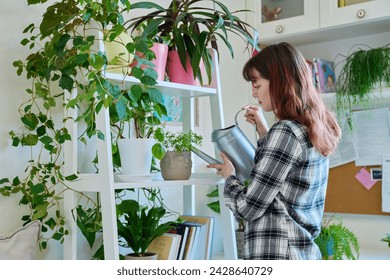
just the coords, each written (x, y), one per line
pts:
(346, 194)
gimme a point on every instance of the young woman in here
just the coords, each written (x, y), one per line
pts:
(284, 202)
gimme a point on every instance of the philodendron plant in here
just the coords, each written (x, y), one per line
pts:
(63, 57)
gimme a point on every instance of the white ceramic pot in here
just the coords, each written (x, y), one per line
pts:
(136, 155)
(148, 256)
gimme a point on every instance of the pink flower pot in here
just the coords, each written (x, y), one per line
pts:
(176, 71)
(161, 52)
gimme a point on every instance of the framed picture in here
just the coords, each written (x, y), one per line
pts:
(174, 107)
(376, 174)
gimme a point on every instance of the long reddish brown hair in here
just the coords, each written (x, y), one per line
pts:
(293, 95)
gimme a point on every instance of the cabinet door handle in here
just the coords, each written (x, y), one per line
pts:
(279, 29)
(361, 13)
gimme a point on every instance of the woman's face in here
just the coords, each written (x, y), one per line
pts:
(260, 91)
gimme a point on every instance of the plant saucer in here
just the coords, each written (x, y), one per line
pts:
(134, 177)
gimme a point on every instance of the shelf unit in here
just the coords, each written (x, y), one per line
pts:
(104, 182)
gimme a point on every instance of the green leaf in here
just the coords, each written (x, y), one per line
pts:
(38, 188)
(158, 151)
(71, 177)
(30, 140)
(214, 193)
(66, 82)
(120, 107)
(215, 206)
(155, 95)
(30, 120)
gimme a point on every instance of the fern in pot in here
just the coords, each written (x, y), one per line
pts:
(337, 242)
(176, 163)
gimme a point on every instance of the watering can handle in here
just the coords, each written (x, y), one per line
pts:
(262, 116)
(235, 118)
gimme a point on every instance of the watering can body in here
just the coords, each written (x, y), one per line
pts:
(233, 142)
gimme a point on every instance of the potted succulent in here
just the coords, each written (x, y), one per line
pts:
(193, 26)
(337, 242)
(176, 163)
(363, 72)
(139, 225)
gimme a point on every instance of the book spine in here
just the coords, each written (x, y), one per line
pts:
(316, 75)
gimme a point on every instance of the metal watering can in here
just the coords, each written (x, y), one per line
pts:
(233, 142)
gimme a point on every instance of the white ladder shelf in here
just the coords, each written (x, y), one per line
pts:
(103, 182)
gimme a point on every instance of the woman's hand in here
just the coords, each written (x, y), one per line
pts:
(225, 169)
(253, 116)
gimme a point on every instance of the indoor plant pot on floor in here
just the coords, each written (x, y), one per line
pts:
(139, 225)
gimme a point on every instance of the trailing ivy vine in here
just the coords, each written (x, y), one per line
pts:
(63, 56)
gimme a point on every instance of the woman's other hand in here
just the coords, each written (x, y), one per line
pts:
(225, 169)
(253, 115)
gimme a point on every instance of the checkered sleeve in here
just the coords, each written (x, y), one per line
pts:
(276, 155)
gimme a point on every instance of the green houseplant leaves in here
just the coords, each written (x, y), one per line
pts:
(64, 56)
(139, 225)
(191, 26)
(364, 71)
(336, 241)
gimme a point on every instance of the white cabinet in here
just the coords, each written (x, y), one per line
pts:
(319, 20)
(104, 182)
(296, 16)
(333, 15)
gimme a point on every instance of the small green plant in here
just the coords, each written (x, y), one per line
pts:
(181, 141)
(139, 225)
(336, 241)
(386, 239)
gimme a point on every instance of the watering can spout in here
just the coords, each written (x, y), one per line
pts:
(240, 151)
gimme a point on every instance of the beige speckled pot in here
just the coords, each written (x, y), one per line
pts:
(176, 166)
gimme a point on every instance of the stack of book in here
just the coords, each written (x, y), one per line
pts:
(190, 240)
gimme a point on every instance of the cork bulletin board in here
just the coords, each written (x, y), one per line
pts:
(345, 194)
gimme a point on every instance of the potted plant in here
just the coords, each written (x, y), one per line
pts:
(176, 163)
(139, 225)
(386, 239)
(362, 72)
(337, 242)
(192, 27)
(138, 127)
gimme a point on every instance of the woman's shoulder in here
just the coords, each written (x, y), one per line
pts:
(290, 128)
(289, 125)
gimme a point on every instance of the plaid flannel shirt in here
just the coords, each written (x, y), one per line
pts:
(284, 203)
